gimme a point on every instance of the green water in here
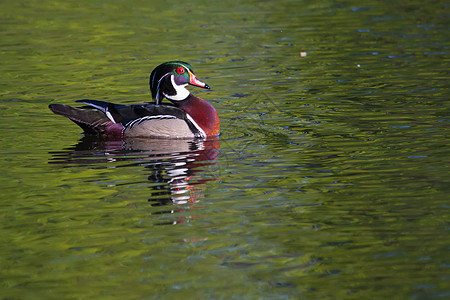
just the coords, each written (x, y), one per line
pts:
(329, 180)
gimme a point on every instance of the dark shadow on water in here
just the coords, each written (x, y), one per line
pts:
(178, 169)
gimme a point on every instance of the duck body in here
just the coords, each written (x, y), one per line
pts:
(187, 117)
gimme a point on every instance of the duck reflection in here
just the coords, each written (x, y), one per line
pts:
(178, 168)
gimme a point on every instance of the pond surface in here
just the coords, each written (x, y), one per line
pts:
(330, 179)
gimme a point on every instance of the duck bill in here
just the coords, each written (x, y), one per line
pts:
(194, 81)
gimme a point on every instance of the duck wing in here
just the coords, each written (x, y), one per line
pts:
(124, 114)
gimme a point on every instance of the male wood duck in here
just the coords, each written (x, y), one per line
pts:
(187, 117)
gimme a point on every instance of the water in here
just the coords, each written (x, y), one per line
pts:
(329, 180)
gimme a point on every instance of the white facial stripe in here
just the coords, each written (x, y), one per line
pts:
(181, 92)
(157, 88)
(187, 68)
(159, 82)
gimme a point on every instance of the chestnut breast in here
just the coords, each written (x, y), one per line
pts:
(203, 113)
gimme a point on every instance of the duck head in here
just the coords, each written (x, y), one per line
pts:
(170, 80)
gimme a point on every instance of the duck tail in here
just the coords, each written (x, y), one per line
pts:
(92, 121)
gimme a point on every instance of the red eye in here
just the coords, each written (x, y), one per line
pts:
(180, 70)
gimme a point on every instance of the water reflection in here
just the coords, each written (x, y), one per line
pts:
(177, 168)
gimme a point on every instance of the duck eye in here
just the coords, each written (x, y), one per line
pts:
(180, 70)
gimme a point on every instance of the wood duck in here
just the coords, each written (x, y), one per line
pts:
(187, 117)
